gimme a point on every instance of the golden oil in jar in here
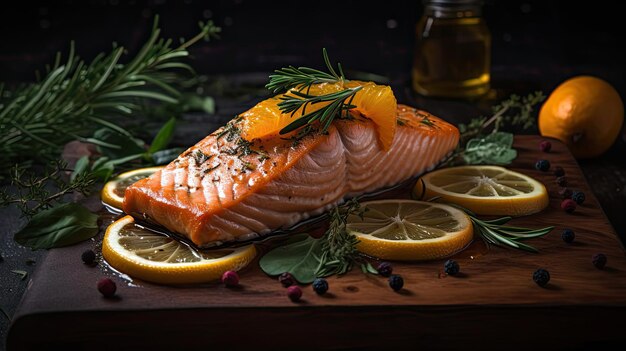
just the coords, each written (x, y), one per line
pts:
(452, 55)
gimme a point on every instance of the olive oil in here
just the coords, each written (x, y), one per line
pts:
(452, 51)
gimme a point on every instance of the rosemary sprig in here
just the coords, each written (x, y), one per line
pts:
(337, 106)
(303, 77)
(496, 233)
(75, 98)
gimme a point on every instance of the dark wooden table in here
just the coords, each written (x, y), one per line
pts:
(493, 303)
(536, 45)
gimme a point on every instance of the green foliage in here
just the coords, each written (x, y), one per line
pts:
(300, 256)
(75, 98)
(513, 114)
(494, 149)
(307, 258)
(61, 225)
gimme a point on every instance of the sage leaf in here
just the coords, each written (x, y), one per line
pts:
(60, 225)
(496, 148)
(163, 137)
(300, 256)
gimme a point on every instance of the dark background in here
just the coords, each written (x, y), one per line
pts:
(536, 45)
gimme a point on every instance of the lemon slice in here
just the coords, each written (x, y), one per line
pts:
(113, 191)
(410, 230)
(144, 254)
(486, 190)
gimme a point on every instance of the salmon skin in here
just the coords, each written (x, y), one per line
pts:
(226, 189)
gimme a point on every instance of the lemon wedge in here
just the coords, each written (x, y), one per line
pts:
(113, 191)
(408, 230)
(485, 190)
(150, 256)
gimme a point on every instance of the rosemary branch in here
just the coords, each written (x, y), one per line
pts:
(303, 77)
(75, 98)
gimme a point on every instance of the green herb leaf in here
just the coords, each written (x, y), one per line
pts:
(166, 156)
(81, 166)
(495, 148)
(300, 256)
(61, 225)
(119, 145)
(22, 274)
(163, 137)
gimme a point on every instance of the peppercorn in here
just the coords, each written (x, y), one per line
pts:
(88, 257)
(543, 165)
(286, 279)
(541, 277)
(568, 205)
(385, 269)
(396, 282)
(599, 260)
(566, 193)
(559, 171)
(561, 181)
(451, 267)
(294, 293)
(230, 278)
(320, 286)
(579, 197)
(545, 146)
(568, 235)
(107, 287)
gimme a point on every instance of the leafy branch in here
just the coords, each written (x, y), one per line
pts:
(296, 80)
(483, 140)
(307, 258)
(32, 193)
(496, 233)
(75, 98)
(515, 112)
(336, 108)
(303, 77)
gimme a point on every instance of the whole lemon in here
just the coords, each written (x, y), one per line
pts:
(584, 112)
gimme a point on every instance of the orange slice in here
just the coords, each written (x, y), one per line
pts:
(375, 102)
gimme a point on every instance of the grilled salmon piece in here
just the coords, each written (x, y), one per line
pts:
(225, 188)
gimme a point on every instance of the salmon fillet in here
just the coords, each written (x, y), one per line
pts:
(225, 188)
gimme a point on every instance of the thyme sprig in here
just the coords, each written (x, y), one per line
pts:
(339, 251)
(514, 112)
(33, 193)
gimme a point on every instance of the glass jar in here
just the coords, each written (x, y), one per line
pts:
(452, 55)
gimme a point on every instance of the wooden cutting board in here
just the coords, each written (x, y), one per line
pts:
(493, 304)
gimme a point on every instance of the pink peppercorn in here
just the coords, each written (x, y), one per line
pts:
(107, 287)
(230, 278)
(545, 146)
(568, 205)
(294, 293)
